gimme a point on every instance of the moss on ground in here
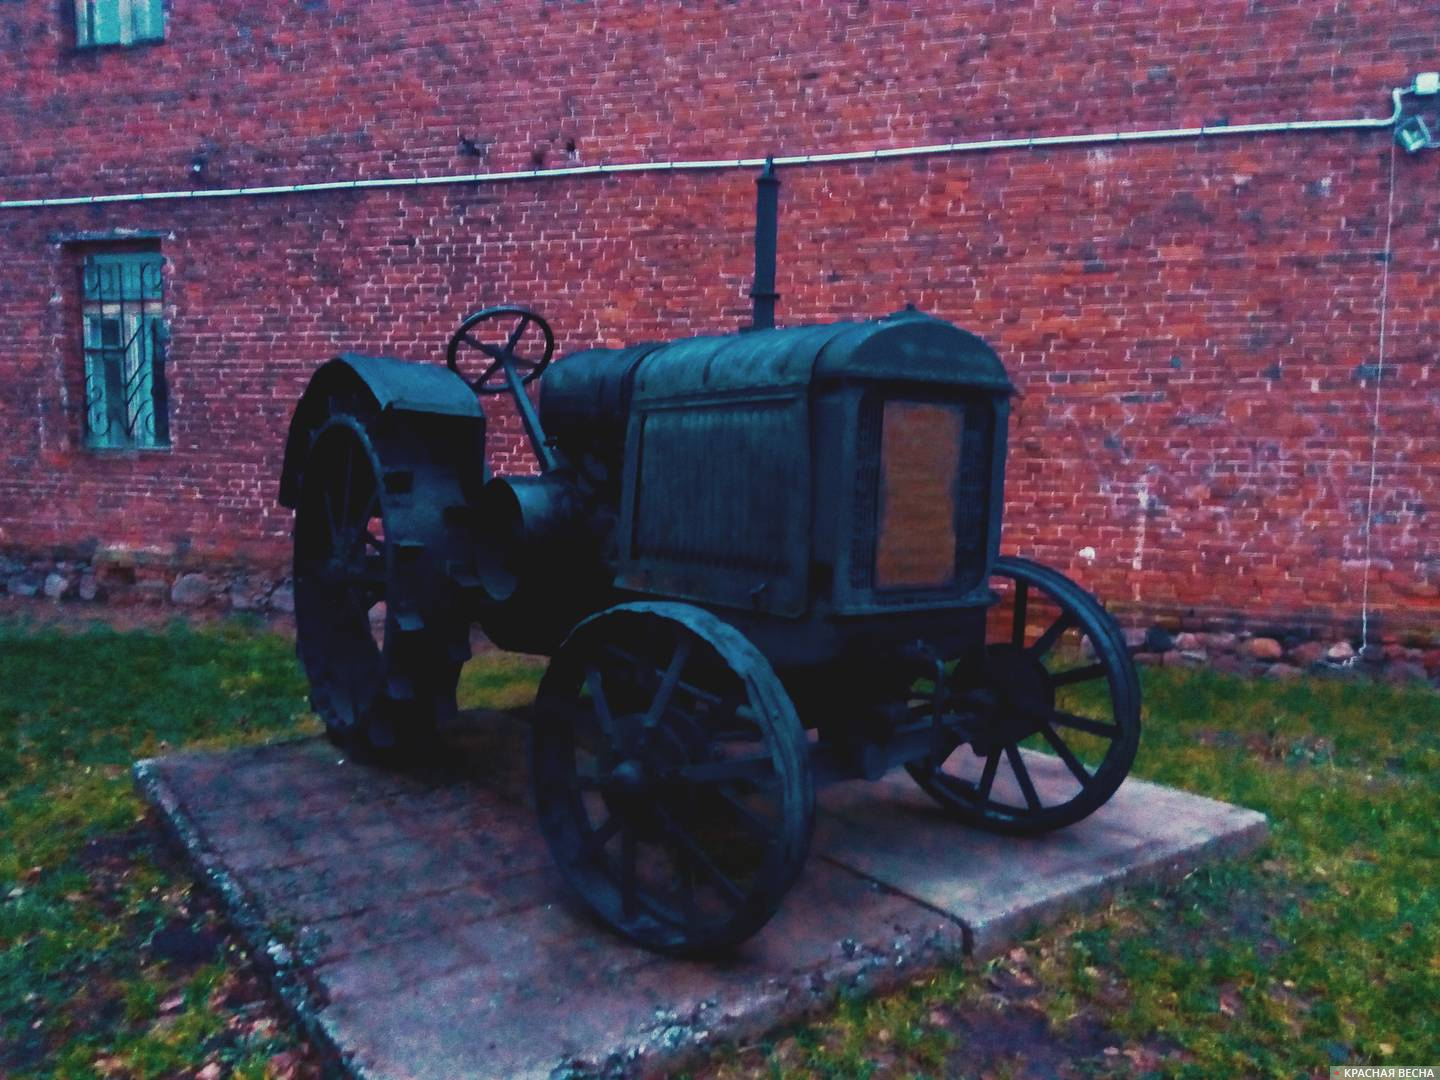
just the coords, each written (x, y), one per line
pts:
(111, 964)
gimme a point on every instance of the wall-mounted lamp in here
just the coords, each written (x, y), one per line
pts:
(1413, 135)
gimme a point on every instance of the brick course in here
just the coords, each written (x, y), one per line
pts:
(1192, 324)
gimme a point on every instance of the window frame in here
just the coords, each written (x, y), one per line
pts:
(124, 337)
(126, 23)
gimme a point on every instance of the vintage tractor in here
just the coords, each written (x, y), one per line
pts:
(758, 562)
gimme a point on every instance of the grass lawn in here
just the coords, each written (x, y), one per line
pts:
(1325, 948)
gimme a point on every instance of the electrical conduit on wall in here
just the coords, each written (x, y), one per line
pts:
(1420, 86)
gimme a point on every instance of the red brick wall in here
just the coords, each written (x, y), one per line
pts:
(1191, 324)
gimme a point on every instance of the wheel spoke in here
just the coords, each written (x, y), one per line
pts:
(602, 707)
(1046, 641)
(734, 704)
(1078, 674)
(1022, 774)
(667, 683)
(1084, 723)
(718, 877)
(1017, 629)
(626, 659)
(1066, 754)
(942, 745)
(987, 775)
(751, 767)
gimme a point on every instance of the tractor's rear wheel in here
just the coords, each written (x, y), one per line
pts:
(381, 655)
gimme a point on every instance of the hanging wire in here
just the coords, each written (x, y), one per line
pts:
(1375, 417)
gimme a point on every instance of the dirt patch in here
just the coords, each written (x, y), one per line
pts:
(1022, 1041)
(139, 985)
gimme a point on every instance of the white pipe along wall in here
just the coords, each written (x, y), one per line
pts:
(1423, 85)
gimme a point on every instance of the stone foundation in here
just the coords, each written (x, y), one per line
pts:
(125, 579)
(1286, 657)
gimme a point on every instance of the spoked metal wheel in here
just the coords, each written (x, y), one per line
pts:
(380, 678)
(1054, 708)
(672, 777)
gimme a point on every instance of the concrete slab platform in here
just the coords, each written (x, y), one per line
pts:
(415, 926)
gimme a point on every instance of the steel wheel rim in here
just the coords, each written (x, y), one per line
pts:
(1060, 748)
(691, 862)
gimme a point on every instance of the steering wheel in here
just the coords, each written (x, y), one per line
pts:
(492, 379)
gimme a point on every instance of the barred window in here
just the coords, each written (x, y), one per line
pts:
(118, 22)
(122, 308)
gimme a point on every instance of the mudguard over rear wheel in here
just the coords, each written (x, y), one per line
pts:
(381, 653)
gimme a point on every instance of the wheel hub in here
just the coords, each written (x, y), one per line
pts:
(1022, 691)
(651, 758)
(629, 777)
(338, 571)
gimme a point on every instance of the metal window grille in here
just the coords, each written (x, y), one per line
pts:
(124, 341)
(118, 22)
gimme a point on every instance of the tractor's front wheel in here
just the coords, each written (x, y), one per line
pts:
(1060, 721)
(671, 776)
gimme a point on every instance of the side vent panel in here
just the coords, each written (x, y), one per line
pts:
(718, 503)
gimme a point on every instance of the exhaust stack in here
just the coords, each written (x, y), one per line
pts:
(767, 198)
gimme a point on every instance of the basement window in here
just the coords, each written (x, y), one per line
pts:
(118, 22)
(124, 338)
